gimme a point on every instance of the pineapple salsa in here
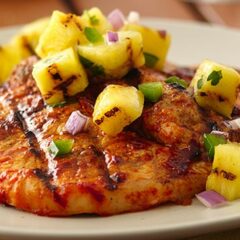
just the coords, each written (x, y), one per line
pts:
(74, 49)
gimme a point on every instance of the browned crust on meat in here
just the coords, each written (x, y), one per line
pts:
(103, 175)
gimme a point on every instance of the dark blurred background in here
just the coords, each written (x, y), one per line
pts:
(224, 12)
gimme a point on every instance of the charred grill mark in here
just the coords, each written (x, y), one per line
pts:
(130, 52)
(227, 175)
(20, 120)
(27, 45)
(53, 71)
(91, 189)
(33, 143)
(64, 85)
(45, 179)
(203, 94)
(180, 160)
(99, 121)
(110, 185)
(112, 112)
(67, 19)
(32, 140)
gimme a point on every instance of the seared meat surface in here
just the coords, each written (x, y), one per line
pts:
(176, 119)
(103, 175)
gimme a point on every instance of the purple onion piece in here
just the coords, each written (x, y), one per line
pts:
(211, 199)
(117, 19)
(77, 122)
(112, 37)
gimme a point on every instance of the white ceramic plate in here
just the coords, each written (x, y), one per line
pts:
(191, 43)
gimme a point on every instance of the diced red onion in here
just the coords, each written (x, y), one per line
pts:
(77, 122)
(233, 124)
(211, 199)
(162, 33)
(117, 19)
(133, 17)
(220, 133)
(112, 37)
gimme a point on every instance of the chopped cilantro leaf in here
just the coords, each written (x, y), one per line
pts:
(94, 20)
(93, 35)
(61, 104)
(150, 59)
(177, 82)
(200, 83)
(215, 77)
(95, 70)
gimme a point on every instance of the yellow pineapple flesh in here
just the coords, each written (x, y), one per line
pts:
(60, 76)
(116, 107)
(29, 35)
(216, 87)
(96, 19)
(155, 44)
(116, 59)
(63, 31)
(225, 175)
(9, 57)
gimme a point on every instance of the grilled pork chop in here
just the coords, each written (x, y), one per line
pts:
(103, 175)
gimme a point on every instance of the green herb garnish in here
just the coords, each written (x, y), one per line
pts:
(92, 19)
(211, 141)
(200, 83)
(93, 35)
(152, 91)
(215, 77)
(60, 147)
(61, 104)
(176, 81)
(150, 59)
(95, 70)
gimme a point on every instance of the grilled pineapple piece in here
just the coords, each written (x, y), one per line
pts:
(20, 47)
(63, 31)
(59, 76)
(155, 44)
(113, 60)
(9, 57)
(95, 18)
(116, 107)
(225, 175)
(216, 86)
(30, 33)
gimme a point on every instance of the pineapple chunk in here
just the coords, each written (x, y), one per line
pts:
(155, 44)
(59, 76)
(20, 47)
(113, 60)
(9, 57)
(225, 175)
(63, 31)
(95, 18)
(116, 107)
(216, 87)
(30, 33)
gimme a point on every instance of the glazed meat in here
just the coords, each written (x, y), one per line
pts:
(176, 119)
(103, 175)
